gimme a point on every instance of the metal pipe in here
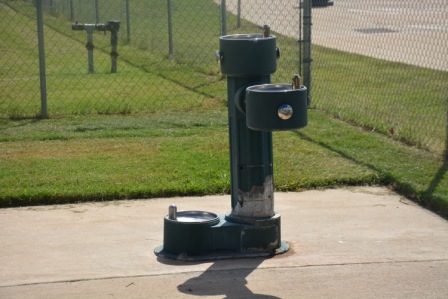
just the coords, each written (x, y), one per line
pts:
(42, 72)
(128, 21)
(90, 46)
(113, 27)
(170, 30)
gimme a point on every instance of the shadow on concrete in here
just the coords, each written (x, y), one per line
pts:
(221, 280)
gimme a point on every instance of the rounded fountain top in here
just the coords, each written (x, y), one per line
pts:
(250, 54)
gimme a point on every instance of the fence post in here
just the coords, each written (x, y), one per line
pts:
(128, 21)
(238, 24)
(223, 17)
(307, 59)
(300, 41)
(97, 12)
(51, 7)
(170, 30)
(446, 129)
(41, 47)
(72, 14)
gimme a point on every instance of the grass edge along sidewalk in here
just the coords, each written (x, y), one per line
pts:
(111, 157)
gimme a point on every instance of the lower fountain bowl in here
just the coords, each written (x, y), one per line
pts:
(187, 234)
(276, 107)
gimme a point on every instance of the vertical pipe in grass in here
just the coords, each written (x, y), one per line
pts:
(42, 72)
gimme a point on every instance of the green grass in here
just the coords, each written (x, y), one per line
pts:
(111, 157)
(159, 127)
(77, 159)
(369, 92)
(382, 95)
(146, 80)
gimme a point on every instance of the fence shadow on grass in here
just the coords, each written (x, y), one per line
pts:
(425, 198)
(441, 173)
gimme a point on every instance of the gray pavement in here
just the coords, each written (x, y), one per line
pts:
(364, 242)
(413, 32)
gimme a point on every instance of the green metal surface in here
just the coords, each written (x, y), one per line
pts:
(226, 239)
(250, 156)
(248, 55)
(248, 59)
(255, 107)
(263, 102)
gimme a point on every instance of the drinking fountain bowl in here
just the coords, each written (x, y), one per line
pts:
(276, 107)
(247, 54)
(187, 232)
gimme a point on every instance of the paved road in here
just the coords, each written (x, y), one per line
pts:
(413, 31)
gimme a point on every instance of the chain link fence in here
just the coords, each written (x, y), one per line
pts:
(380, 64)
(388, 63)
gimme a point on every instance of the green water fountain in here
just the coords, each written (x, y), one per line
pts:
(256, 108)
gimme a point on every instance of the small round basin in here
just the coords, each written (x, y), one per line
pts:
(195, 217)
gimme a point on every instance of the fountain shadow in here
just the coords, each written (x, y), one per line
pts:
(227, 278)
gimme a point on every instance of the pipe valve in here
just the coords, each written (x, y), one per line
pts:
(112, 26)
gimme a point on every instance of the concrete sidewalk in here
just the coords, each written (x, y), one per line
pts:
(364, 242)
